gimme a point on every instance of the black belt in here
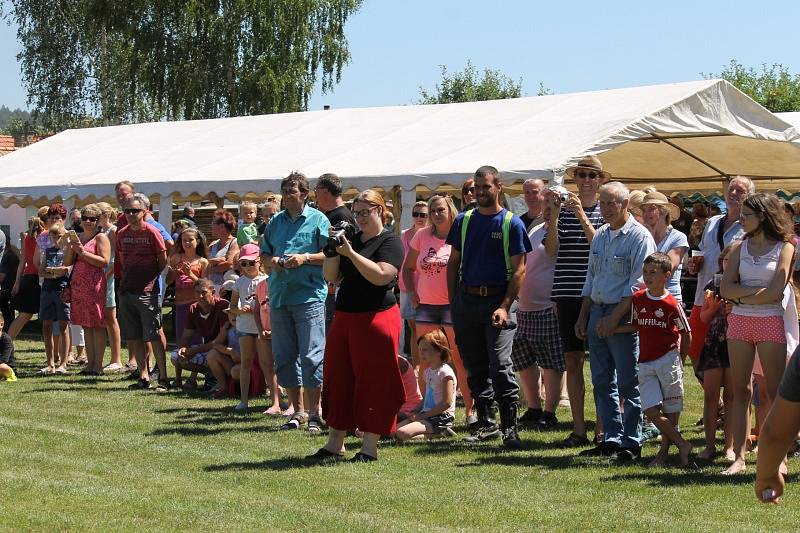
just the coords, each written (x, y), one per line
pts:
(485, 290)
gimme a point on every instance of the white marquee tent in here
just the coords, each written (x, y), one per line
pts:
(682, 136)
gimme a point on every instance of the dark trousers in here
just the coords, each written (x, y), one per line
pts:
(485, 349)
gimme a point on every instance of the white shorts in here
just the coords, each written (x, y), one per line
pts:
(661, 383)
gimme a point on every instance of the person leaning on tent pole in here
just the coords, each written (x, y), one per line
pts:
(484, 273)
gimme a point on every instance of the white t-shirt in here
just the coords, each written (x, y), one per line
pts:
(534, 295)
(246, 289)
(434, 388)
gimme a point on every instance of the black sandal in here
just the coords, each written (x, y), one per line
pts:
(322, 454)
(574, 440)
(363, 458)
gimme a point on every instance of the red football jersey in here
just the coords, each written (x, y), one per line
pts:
(660, 322)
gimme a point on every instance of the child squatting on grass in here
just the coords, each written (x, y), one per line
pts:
(437, 413)
(662, 326)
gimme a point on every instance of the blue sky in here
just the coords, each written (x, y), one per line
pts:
(396, 46)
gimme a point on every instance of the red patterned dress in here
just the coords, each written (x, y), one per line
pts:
(88, 291)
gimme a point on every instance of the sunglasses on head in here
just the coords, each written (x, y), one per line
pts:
(89, 219)
(418, 214)
(132, 210)
(587, 175)
(247, 263)
(470, 190)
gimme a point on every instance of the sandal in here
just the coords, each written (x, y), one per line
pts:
(294, 422)
(314, 424)
(363, 458)
(574, 440)
(324, 455)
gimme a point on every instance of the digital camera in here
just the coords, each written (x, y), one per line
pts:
(341, 231)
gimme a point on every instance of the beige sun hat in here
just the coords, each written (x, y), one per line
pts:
(657, 198)
(590, 162)
(635, 199)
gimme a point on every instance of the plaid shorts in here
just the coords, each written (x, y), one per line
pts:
(538, 341)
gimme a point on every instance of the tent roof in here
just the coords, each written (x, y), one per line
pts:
(427, 145)
(792, 117)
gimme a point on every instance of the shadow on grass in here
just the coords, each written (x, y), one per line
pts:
(285, 463)
(67, 389)
(684, 477)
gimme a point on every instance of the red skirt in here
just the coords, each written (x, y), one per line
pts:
(362, 387)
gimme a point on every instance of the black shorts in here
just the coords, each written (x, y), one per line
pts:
(568, 310)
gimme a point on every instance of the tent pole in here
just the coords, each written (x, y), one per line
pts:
(690, 154)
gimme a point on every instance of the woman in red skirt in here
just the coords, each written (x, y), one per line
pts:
(362, 387)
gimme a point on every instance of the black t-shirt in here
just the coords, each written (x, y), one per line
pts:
(8, 266)
(7, 350)
(340, 213)
(356, 294)
(789, 388)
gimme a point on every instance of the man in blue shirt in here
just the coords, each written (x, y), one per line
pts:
(484, 273)
(616, 257)
(291, 251)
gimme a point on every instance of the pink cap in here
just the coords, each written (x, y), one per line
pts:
(249, 252)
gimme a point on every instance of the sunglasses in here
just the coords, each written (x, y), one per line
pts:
(89, 219)
(587, 175)
(132, 211)
(417, 214)
(246, 263)
(470, 190)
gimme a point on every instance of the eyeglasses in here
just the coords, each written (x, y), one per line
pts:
(470, 190)
(365, 212)
(587, 175)
(89, 219)
(132, 211)
(418, 214)
(247, 263)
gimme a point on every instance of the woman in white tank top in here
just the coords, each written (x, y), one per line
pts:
(754, 282)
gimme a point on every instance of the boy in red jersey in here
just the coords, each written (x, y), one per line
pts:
(663, 328)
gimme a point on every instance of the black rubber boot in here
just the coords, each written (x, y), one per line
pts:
(486, 428)
(508, 425)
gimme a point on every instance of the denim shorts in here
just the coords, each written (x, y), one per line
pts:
(51, 307)
(298, 343)
(434, 314)
(407, 311)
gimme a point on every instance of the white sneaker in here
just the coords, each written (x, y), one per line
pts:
(241, 407)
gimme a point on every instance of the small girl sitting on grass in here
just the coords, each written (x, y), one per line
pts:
(7, 361)
(437, 414)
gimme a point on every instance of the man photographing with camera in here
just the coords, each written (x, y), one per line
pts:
(291, 250)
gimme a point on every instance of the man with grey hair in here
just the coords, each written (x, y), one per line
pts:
(616, 257)
(533, 190)
(719, 232)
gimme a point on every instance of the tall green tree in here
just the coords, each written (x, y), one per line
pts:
(139, 60)
(469, 85)
(773, 86)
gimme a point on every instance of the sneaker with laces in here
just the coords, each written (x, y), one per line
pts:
(484, 433)
(531, 417)
(511, 439)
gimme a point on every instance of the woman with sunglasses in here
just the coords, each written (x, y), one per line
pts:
(468, 195)
(419, 218)
(425, 273)
(90, 255)
(755, 281)
(25, 292)
(362, 385)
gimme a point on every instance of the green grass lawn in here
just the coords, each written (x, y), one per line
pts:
(86, 453)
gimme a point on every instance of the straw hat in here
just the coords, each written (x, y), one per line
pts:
(657, 198)
(590, 162)
(635, 199)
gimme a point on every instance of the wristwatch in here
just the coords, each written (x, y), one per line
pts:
(308, 258)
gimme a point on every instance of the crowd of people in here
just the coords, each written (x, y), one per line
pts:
(375, 333)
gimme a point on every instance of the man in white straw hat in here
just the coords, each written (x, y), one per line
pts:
(572, 225)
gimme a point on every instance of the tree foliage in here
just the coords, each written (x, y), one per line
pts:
(470, 86)
(774, 86)
(141, 60)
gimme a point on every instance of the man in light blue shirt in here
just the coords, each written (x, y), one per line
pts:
(291, 251)
(616, 257)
